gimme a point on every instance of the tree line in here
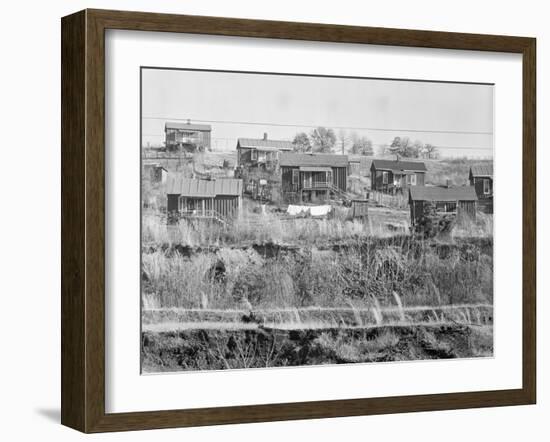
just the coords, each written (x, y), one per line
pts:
(326, 140)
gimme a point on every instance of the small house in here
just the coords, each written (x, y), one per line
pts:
(481, 177)
(187, 137)
(394, 176)
(194, 198)
(261, 152)
(445, 200)
(358, 165)
(155, 173)
(308, 176)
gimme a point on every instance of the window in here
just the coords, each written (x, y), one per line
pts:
(384, 177)
(412, 179)
(253, 155)
(295, 176)
(486, 186)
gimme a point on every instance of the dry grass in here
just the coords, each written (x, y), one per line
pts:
(397, 273)
(270, 228)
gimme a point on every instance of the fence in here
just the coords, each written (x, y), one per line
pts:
(398, 201)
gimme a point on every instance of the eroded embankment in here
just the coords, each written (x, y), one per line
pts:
(272, 250)
(260, 347)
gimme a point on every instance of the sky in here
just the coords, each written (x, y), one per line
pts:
(456, 117)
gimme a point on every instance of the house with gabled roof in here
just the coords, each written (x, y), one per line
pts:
(445, 200)
(196, 198)
(395, 176)
(187, 137)
(261, 152)
(305, 176)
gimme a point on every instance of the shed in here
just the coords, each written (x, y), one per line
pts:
(308, 176)
(393, 176)
(187, 197)
(459, 200)
(155, 172)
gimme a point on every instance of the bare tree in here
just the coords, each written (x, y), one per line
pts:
(344, 140)
(362, 146)
(402, 146)
(323, 139)
(430, 151)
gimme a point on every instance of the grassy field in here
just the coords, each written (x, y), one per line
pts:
(250, 294)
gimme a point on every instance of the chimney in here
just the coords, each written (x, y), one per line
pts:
(448, 184)
(265, 136)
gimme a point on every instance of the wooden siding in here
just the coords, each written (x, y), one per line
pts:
(176, 137)
(377, 180)
(244, 157)
(172, 203)
(466, 208)
(417, 210)
(477, 182)
(226, 206)
(339, 178)
(463, 208)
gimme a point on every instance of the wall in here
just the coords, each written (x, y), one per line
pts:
(30, 253)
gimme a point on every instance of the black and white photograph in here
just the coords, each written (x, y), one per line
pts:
(302, 220)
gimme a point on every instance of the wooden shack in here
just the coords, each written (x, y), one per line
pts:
(155, 173)
(187, 137)
(396, 176)
(447, 200)
(211, 199)
(260, 152)
(305, 177)
(481, 179)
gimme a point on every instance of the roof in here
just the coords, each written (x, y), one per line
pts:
(262, 144)
(315, 169)
(317, 159)
(188, 126)
(482, 170)
(177, 185)
(394, 165)
(427, 193)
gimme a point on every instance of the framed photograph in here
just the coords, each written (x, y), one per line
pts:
(267, 221)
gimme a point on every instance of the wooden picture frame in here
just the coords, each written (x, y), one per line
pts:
(83, 220)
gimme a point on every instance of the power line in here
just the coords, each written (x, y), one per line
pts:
(373, 145)
(378, 129)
